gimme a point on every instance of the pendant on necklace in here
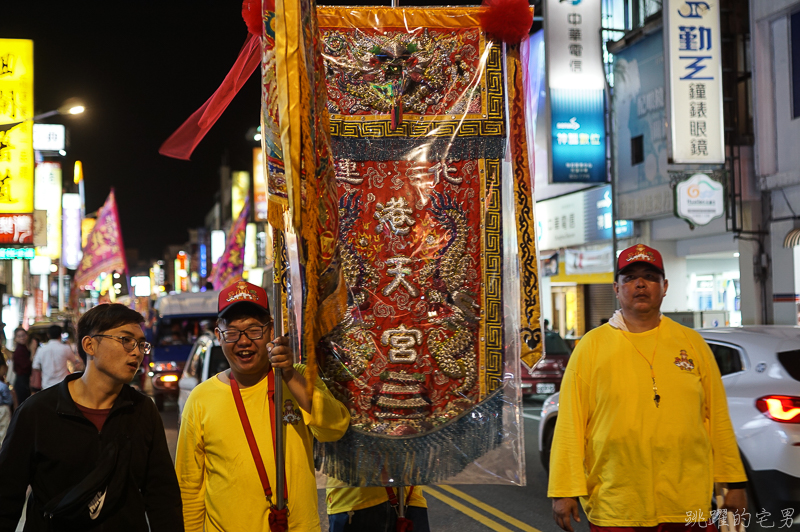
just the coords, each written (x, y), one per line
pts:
(656, 397)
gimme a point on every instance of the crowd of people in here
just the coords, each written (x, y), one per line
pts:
(640, 441)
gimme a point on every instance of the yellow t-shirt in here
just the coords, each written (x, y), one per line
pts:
(630, 462)
(342, 498)
(220, 486)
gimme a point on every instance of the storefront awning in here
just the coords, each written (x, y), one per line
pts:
(792, 239)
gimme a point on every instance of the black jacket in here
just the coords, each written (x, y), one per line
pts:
(52, 446)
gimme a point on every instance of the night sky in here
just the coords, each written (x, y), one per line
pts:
(142, 68)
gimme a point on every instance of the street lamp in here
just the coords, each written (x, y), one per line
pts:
(71, 106)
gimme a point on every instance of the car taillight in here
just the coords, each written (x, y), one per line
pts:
(159, 367)
(780, 408)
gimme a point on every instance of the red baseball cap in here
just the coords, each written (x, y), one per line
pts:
(241, 292)
(640, 253)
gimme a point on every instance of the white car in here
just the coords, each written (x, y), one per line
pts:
(205, 360)
(760, 367)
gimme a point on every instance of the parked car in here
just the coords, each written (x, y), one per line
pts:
(181, 319)
(546, 377)
(760, 367)
(205, 360)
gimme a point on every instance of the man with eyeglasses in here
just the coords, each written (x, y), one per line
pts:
(643, 430)
(92, 449)
(226, 453)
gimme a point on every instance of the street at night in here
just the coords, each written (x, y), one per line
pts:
(508, 265)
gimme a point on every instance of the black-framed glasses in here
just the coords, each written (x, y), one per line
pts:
(254, 332)
(128, 343)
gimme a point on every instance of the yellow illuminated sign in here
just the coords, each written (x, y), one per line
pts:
(16, 125)
(87, 224)
(240, 189)
(78, 172)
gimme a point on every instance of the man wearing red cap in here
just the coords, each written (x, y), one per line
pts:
(225, 456)
(643, 431)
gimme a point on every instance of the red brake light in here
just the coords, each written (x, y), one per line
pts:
(780, 408)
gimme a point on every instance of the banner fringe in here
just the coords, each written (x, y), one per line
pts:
(364, 459)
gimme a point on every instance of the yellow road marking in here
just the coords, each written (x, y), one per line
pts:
(497, 527)
(486, 508)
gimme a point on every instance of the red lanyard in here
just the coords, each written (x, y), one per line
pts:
(403, 524)
(393, 495)
(251, 439)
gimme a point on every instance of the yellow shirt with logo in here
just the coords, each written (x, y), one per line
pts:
(342, 498)
(630, 462)
(220, 486)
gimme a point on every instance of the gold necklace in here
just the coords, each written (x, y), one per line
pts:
(656, 397)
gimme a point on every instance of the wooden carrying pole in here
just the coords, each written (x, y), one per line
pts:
(280, 458)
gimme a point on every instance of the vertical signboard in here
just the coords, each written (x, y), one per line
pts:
(47, 197)
(217, 245)
(87, 225)
(597, 206)
(71, 230)
(639, 115)
(16, 125)
(182, 272)
(694, 72)
(576, 83)
(259, 185)
(240, 188)
(250, 256)
(561, 222)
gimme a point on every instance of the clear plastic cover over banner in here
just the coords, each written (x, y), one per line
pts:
(436, 244)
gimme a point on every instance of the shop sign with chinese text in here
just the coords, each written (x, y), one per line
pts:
(694, 74)
(259, 186)
(240, 189)
(17, 253)
(16, 126)
(699, 199)
(560, 221)
(575, 59)
(47, 197)
(49, 137)
(16, 228)
(71, 230)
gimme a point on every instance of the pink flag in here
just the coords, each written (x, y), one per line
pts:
(104, 251)
(231, 263)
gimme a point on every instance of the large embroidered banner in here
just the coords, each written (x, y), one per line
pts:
(428, 75)
(419, 128)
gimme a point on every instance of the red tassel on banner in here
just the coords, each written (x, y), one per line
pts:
(253, 17)
(507, 20)
(278, 520)
(404, 525)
